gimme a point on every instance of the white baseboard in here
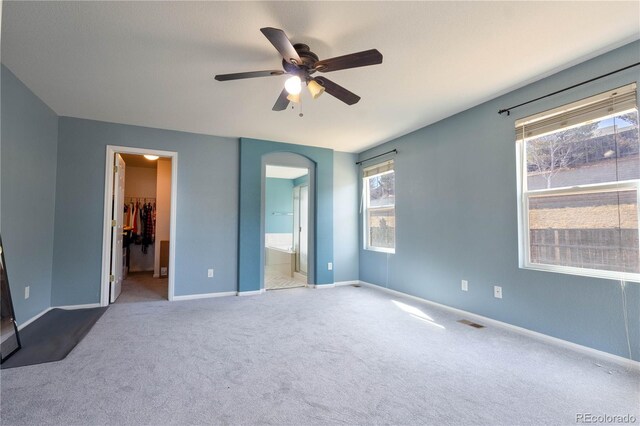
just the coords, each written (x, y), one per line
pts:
(343, 283)
(319, 286)
(625, 362)
(72, 307)
(204, 295)
(251, 293)
(32, 319)
(156, 275)
(68, 307)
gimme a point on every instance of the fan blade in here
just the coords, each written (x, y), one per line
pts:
(354, 60)
(282, 103)
(338, 91)
(282, 44)
(252, 74)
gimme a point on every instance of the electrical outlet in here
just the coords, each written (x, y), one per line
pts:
(497, 292)
(465, 285)
(26, 292)
(210, 273)
(163, 271)
(330, 266)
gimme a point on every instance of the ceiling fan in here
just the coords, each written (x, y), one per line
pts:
(301, 63)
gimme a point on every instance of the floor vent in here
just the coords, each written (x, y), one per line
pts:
(356, 285)
(470, 323)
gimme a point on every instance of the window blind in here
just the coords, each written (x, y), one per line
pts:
(596, 107)
(378, 169)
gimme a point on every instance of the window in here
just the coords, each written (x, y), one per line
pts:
(379, 192)
(579, 178)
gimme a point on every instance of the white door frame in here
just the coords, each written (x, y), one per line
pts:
(296, 220)
(108, 196)
(300, 204)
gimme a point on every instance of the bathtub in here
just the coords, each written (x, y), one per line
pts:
(280, 260)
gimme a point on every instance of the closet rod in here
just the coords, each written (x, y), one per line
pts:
(508, 110)
(376, 156)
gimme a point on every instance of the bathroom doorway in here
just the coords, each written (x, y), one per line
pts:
(286, 230)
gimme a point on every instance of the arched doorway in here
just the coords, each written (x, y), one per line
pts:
(287, 256)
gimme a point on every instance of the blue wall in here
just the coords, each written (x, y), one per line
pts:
(301, 180)
(207, 207)
(251, 152)
(457, 219)
(279, 200)
(346, 201)
(29, 139)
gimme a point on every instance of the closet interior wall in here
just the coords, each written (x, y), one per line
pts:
(140, 187)
(163, 212)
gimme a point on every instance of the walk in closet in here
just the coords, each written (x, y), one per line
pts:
(146, 217)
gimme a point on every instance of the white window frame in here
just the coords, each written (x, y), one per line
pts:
(524, 252)
(367, 208)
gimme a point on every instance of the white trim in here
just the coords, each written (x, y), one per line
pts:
(624, 362)
(584, 272)
(204, 295)
(381, 249)
(251, 293)
(74, 307)
(32, 319)
(172, 227)
(366, 244)
(523, 237)
(524, 243)
(106, 231)
(331, 285)
(343, 283)
(67, 307)
(591, 188)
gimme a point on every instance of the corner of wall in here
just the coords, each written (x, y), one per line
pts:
(30, 139)
(346, 258)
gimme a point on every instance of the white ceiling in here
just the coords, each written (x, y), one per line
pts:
(285, 172)
(152, 64)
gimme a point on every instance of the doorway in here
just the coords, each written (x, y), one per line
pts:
(139, 232)
(286, 227)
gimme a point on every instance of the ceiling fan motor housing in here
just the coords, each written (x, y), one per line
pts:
(306, 68)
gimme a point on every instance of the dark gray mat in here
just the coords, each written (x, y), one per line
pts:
(53, 336)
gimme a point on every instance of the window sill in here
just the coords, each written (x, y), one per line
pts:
(582, 272)
(381, 249)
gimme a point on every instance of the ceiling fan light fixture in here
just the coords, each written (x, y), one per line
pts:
(293, 85)
(151, 157)
(315, 89)
(294, 98)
